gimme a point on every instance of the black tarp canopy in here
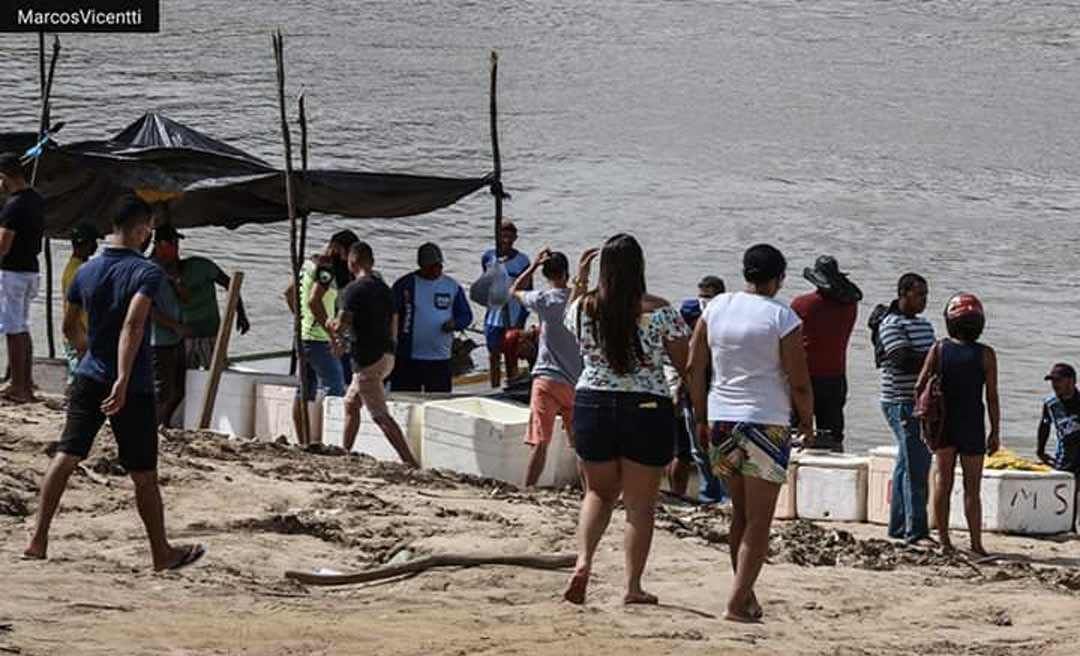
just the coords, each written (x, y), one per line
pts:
(200, 181)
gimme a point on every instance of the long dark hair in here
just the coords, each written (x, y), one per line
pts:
(615, 306)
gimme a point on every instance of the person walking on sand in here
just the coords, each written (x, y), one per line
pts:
(114, 380)
(558, 361)
(755, 345)
(367, 318)
(905, 339)
(22, 227)
(828, 314)
(968, 370)
(623, 417)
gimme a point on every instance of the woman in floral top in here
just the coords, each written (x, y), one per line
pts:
(623, 418)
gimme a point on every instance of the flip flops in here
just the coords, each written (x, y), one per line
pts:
(192, 554)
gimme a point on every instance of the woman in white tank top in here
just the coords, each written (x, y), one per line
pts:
(759, 369)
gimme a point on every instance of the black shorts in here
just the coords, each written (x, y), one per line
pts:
(631, 425)
(135, 426)
(421, 376)
(682, 437)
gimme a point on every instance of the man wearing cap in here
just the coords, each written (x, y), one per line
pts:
(1061, 411)
(501, 318)
(83, 246)
(167, 329)
(323, 348)
(828, 314)
(430, 306)
(710, 488)
(198, 297)
(708, 287)
(22, 226)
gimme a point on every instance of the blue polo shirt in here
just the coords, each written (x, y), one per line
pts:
(515, 266)
(423, 306)
(104, 287)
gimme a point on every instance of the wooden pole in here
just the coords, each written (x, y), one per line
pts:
(221, 349)
(538, 561)
(294, 252)
(303, 198)
(304, 189)
(46, 80)
(496, 186)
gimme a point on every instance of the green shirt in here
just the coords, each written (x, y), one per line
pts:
(201, 311)
(310, 330)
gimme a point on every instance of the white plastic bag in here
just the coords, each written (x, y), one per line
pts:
(492, 288)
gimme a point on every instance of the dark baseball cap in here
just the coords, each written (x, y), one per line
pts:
(1061, 370)
(167, 233)
(83, 233)
(429, 254)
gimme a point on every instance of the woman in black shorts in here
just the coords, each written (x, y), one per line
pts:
(968, 367)
(623, 418)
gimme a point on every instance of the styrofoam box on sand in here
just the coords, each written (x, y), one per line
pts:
(486, 438)
(234, 408)
(1023, 502)
(273, 412)
(832, 487)
(370, 439)
(879, 484)
(786, 505)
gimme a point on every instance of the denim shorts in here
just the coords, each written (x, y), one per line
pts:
(323, 370)
(632, 425)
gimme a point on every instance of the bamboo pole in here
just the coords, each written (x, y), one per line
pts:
(294, 253)
(46, 81)
(221, 349)
(496, 185)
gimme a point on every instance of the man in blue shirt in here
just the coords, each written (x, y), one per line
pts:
(115, 379)
(499, 319)
(1061, 412)
(430, 307)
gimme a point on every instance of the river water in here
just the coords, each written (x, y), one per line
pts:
(934, 136)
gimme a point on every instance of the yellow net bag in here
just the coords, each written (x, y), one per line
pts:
(1006, 459)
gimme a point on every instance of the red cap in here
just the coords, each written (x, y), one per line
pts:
(963, 305)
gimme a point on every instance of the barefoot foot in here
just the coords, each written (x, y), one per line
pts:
(576, 588)
(640, 597)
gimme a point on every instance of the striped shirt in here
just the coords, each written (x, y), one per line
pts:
(899, 331)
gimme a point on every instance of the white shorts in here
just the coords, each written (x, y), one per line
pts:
(17, 289)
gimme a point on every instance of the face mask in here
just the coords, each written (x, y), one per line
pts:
(166, 251)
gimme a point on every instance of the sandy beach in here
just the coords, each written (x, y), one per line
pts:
(263, 508)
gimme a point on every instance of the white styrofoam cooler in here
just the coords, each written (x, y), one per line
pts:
(831, 487)
(486, 438)
(786, 503)
(879, 483)
(234, 408)
(370, 439)
(1024, 502)
(273, 412)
